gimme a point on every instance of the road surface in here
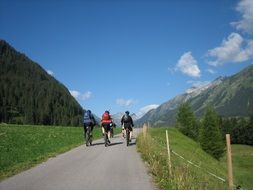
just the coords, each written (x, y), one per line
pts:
(87, 168)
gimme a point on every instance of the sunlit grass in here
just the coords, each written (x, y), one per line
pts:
(184, 175)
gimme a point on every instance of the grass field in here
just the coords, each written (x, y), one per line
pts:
(23, 146)
(242, 165)
(186, 176)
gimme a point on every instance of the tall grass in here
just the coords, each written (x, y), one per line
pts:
(184, 175)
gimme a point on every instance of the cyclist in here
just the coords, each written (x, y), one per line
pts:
(88, 121)
(127, 122)
(106, 122)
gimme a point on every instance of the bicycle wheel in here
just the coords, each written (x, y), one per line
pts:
(88, 136)
(90, 141)
(127, 137)
(106, 139)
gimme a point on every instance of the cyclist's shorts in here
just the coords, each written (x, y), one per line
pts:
(129, 127)
(106, 126)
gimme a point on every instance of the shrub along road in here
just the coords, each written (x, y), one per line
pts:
(92, 168)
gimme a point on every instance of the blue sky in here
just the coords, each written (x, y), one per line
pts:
(131, 55)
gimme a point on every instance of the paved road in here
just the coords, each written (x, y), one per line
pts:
(87, 168)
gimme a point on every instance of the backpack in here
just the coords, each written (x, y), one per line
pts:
(126, 118)
(87, 117)
(106, 116)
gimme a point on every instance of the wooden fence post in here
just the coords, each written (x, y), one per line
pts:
(145, 130)
(168, 148)
(229, 163)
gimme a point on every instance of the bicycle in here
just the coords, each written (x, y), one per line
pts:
(111, 132)
(127, 136)
(88, 136)
(106, 138)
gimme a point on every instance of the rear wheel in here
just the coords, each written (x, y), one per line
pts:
(106, 139)
(127, 137)
(88, 136)
(90, 141)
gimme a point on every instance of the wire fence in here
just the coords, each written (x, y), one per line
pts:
(230, 181)
(210, 173)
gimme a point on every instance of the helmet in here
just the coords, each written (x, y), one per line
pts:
(127, 112)
(88, 111)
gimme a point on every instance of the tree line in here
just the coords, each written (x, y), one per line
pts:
(210, 130)
(28, 95)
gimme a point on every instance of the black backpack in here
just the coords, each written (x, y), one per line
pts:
(126, 118)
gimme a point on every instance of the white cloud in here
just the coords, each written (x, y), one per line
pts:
(50, 72)
(86, 95)
(231, 50)
(75, 93)
(211, 71)
(148, 107)
(188, 65)
(245, 7)
(145, 109)
(125, 103)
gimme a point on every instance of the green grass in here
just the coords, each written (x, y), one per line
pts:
(242, 158)
(184, 175)
(23, 146)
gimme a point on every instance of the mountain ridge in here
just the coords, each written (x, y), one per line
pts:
(226, 94)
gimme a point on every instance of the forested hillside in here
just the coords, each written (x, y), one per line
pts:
(28, 95)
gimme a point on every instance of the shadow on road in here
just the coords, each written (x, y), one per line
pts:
(132, 143)
(100, 143)
(117, 143)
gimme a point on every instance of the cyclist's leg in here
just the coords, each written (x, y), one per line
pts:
(124, 126)
(122, 131)
(103, 130)
(84, 131)
(125, 131)
(131, 132)
(108, 132)
(91, 129)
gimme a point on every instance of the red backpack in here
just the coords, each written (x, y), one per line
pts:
(105, 116)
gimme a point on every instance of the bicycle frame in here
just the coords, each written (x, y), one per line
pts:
(127, 136)
(88, 136)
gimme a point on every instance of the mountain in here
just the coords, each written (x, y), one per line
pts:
(230, 96)
(29, 95)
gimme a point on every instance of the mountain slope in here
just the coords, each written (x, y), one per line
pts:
(230, 96)
(28, 95)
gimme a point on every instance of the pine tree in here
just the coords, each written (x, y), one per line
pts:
(186, 121)
(210, 134)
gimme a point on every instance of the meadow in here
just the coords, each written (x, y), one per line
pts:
(185, 175)
(23, 146)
